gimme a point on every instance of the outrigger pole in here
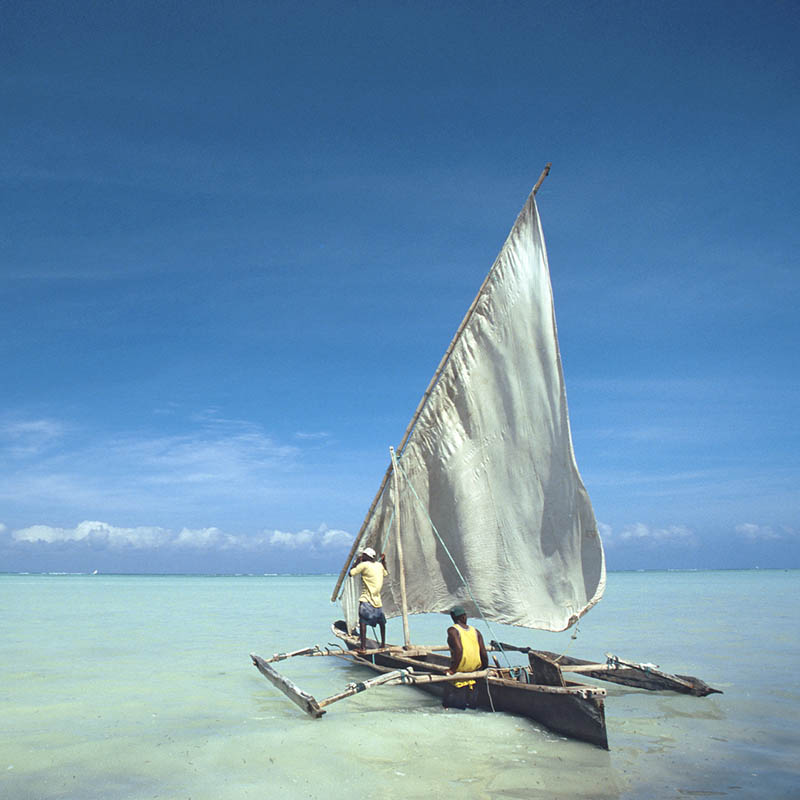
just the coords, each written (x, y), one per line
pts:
(618, 670)
(315, 708)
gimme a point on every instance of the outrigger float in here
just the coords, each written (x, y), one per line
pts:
(482, 506)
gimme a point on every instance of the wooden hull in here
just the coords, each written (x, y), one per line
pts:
(574, 710)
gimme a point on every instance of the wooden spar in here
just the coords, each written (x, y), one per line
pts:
(355, 688)
(316, 651)
(399, 540)
(545, 173)
(439, 673)
(306, 651)
(415, 650)
(401, 677)
(687, 684)
(439, 670)
(581, 668)
(314, 708)
(293, 692)
(434, 380)
(426, 677)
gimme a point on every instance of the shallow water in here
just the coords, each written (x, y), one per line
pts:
(141, 687)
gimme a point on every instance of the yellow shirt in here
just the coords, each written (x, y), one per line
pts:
(372, 574)
(470, 649)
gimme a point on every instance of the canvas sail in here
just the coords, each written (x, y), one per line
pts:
(493, 513)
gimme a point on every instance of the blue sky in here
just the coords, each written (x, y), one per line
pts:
(238, 237)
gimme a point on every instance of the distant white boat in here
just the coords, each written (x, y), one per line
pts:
(94, 573)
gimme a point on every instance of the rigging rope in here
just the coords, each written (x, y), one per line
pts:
(569, 643)
(453, 562)
(489, 692)
(388, 531)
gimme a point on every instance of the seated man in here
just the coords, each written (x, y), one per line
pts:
(467, 654)
(370, 608)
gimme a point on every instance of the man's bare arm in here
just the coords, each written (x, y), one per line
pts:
(454, 643)
(484, 654)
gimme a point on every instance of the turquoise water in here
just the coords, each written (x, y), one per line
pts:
(141, 687)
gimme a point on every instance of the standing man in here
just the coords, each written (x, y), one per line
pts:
(467, 654)
(370, 608)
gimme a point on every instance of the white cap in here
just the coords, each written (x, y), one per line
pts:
(368, 551)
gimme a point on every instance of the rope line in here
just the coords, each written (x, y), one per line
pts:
(489, 692)
(569, 643)
(388, 531)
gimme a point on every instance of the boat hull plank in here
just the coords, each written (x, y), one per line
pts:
(544, 670)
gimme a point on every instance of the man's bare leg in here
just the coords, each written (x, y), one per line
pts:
(363, 630)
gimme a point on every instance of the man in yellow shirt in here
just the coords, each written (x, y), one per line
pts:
(467, 654)
(370, 608)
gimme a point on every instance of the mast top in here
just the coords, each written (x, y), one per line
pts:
(545, 173)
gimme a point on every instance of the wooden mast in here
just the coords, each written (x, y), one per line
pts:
(434, 380)
(402, 568)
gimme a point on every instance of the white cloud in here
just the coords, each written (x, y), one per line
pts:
(218, 462)
(292, 541)
(645, 434)
(209, 482)
(318, 436)
(97, 533)
(323, 537)
(22, 438)
(337, 539)
(143, 537)
(758, 533)
(37, 428)
(673, 533)
(604, 530)
(644, 534)
(201, 538)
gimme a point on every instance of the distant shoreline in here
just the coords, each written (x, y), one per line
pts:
(334, 574)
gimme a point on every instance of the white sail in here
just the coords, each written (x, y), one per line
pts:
(349, 601)
(493, 513)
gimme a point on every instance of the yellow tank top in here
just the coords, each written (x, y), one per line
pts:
(470, 650)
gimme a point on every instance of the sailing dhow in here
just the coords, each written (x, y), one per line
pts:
(482, 506)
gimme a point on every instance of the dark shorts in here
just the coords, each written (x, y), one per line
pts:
(461, 696)
(371, 615)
